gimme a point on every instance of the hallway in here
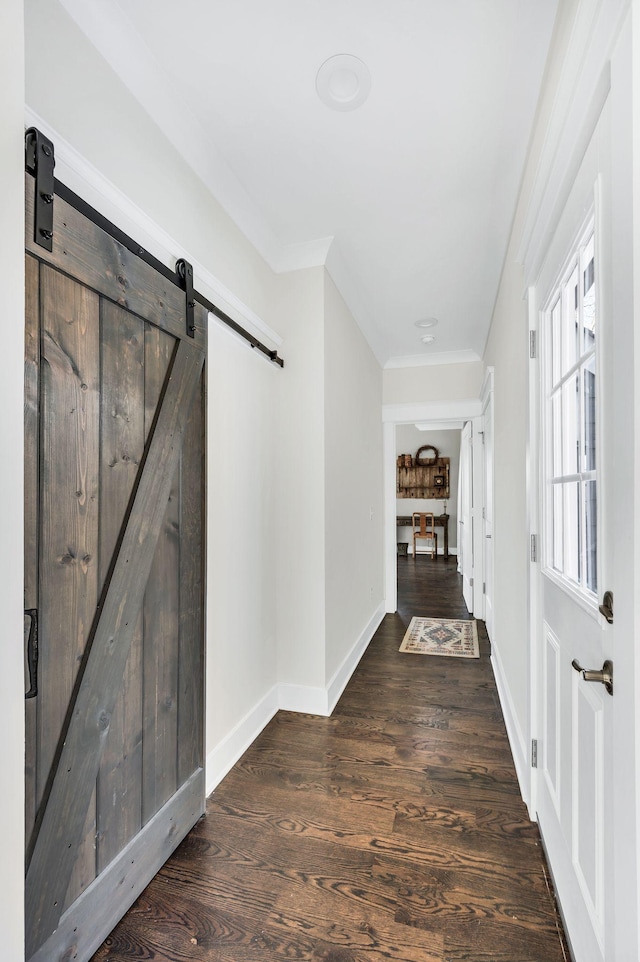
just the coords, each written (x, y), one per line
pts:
(392, 830)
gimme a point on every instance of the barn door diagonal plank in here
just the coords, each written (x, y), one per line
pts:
(61, 827)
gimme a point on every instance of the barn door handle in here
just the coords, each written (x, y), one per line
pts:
(32, 652)
(605, 676)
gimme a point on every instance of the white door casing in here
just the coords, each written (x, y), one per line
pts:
(477, 519)
(487, 501)
(465, 516)
(441, 414)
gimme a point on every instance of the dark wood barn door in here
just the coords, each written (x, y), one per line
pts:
(114, 417)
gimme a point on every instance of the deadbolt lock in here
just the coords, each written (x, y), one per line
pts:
(606, 608)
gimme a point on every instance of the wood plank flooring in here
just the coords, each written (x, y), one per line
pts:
(392, 830)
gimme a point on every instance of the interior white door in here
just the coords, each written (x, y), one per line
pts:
(576, 715)
(487, 513)
(465, 517)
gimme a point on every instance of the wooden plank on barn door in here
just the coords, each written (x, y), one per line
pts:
(70, 375)
(191, 660)
(60, 830)
(122, 340)
(69, 470)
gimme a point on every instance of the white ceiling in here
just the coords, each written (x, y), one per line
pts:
(407, 199)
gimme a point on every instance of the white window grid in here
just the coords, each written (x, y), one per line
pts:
(570, 327)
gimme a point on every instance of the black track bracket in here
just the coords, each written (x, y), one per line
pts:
(184, 270)
(40, 161)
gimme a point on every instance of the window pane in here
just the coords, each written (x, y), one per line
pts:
(556, 434)
(558, 560)
(590, 415)
(571, 426)
(591, 536)
(570, 322)
(588, 298)
(556, 342)
(571, 530)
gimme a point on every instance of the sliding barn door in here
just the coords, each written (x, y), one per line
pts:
(113, 581)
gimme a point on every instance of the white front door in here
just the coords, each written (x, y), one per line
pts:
(465, 514)
(575, 715)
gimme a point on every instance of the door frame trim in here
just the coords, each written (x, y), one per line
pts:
(533, 528)
(450, 414)
(487, 398)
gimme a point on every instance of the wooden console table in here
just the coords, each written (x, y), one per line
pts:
(440, 521)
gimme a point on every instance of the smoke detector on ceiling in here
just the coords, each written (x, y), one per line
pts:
(343, 82)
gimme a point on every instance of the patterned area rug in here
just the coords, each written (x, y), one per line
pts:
(441, 636)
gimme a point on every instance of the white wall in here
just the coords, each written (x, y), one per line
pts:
(241, 545)
(300, 561)
(353, 482)
(329, 562)
(507, 351)
(408, 440)
(433, 382)
(11, 510)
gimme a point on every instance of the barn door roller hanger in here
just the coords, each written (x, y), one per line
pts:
(40, 162)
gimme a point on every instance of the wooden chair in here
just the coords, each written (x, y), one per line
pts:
(424, 527)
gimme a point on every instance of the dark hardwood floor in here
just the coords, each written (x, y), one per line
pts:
(392, 830)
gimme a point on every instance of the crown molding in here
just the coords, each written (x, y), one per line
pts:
(452, 425)
(427, 360)
(295, 257)
(441, 411)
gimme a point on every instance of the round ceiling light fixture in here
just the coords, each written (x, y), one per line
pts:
(427, 338)
(427, 322)
(343, 82)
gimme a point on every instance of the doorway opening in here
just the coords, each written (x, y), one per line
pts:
(433, 417)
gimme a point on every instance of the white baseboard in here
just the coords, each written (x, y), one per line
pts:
(299, 698)
(517, 742)
(222, 758)
(304, 699)
(322, 701)
(341, 678)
